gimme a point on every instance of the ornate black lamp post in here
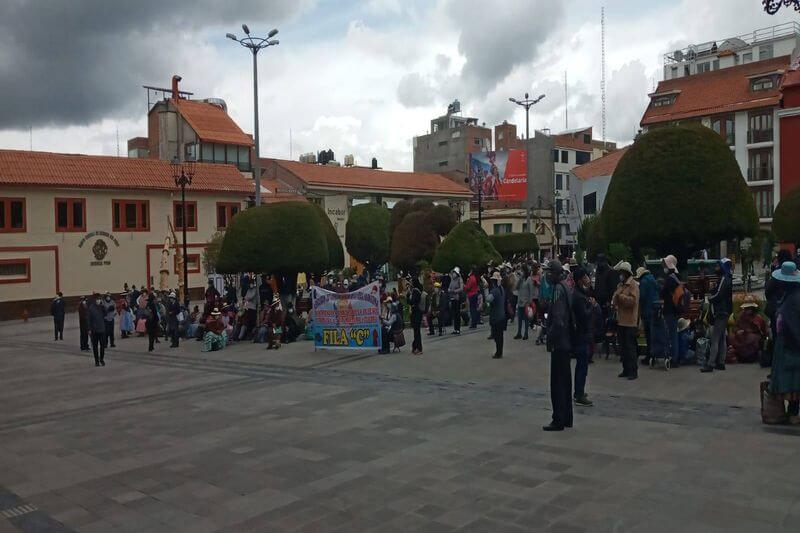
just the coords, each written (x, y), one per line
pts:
(182, 173)
(772, 6)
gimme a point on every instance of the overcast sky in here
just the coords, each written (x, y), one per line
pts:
(357, 77)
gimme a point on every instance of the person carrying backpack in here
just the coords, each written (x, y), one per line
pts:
(669, 291)
(721, 308)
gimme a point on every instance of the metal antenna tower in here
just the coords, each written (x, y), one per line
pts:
(603, 70)
(566, 103)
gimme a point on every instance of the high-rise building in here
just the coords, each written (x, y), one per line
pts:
(734, 86)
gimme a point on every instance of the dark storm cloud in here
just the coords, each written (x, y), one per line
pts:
(72, 62)
(495, 38)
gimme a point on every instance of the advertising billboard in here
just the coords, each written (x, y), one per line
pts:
(499, 175)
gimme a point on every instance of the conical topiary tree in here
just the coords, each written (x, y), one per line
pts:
(367, 235)
(677, 189)
(786, 219)
(466, 245)
(282, 238)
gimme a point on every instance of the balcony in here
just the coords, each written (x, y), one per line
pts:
(759, 174)
(759, 136)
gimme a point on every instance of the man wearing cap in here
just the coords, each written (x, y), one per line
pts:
(626, 302)
(434, 313)
(671, 284)
(721, 308)
(456, 293)
(560, 333)
(648, 296)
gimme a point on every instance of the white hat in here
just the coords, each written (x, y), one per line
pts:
(671, 262)
(172, 294)
(496, 275)
(457, 270)
(624, 266)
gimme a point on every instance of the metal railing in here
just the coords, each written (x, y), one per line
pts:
(759, 136)
(695, 51)
(759, 174)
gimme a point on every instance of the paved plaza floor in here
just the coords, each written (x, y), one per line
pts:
(297, 440)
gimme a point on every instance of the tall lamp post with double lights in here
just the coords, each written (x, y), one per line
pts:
(255, 44)
(527, 103)
(182, 173)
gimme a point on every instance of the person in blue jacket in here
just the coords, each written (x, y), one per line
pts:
(648, 296)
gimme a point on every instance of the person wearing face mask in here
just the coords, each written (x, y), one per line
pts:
(626, 301)
(110, 310)
(58, 309)
(97, 329)
(721, 309)
(83, 323)
(670, 312)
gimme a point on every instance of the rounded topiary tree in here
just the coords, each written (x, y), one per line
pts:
(367, 234)
(335, 248)
(413, 241)
(786, 219)
(282, 238)
(466, 245)
(677, 189)
(510, 244)
(442, 219)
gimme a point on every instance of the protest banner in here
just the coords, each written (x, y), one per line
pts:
(350, 320)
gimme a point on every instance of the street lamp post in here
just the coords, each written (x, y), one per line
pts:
(527, 103)
(183, 173)
(255, 44)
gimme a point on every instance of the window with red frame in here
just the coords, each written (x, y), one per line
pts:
(70, 214)
(12, 215)
(225, 212)
(15, 270)
(130, 215)
(191, 215)
(192, 260)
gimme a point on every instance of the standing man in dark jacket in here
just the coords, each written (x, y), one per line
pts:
(58, 309)
(559, 344)
(415, 304)
(110, 309)
(173, 310)
(497, 312)
(83, 323)
(582, 306)
(670, 312)
(456, 293)
(721, 309)
(97, 329)
(648, 296)
(152, 321)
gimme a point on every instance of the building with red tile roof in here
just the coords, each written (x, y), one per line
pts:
(81, 223)
(604, 166)
(737, 86)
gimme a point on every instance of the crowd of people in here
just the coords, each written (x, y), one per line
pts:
(573, 310)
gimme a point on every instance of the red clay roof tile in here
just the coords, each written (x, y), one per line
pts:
(47, 169)
(212, 123)
(603, 166)
(718, 91)
(350, 178)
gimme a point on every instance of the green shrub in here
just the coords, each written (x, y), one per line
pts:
(367, 235)
(510, 244)
(282, 238)
(466, 245)
(335, 249)
(786, 219)
(678, 189)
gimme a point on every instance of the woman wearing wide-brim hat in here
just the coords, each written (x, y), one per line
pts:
(785, 377)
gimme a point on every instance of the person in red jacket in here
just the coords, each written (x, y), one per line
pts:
(471, 288)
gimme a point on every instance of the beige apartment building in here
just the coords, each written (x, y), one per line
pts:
(79, 224)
